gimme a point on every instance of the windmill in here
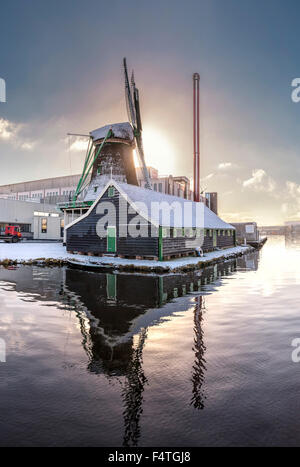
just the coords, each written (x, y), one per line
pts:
(134, 116)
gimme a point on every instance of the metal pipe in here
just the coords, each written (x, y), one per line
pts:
(196, 81)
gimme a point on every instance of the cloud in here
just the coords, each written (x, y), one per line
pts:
(293, 189)
(224, 165)
(28, 145)
(260, 181)
(291, 205)
(11, 132)
(78, 144)
(8, 130)
(208, 177)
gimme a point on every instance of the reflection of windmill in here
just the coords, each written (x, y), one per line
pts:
(133, 393)
(199, 367)
(134, 116)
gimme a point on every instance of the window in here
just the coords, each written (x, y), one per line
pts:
(165, 232)
(219, 233)
(44, 225)
(25, 227)
(155, 186)
(62, 227)
(95, 189)
(160, 187)
(173, 233)
(98, 170)
(210, 232)
(111, 191)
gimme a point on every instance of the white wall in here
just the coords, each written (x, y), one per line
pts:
(53, 228)
(22, 212)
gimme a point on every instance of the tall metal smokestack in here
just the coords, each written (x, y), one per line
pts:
(196, 81)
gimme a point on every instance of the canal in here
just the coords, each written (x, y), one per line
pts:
(201, 359)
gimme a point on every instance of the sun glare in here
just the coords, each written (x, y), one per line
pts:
(158, 151)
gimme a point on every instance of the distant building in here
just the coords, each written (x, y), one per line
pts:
(49, 190)
(60, 189)
(37, 221)
(272, 230)
(212, 201)
(53, 191)
(246, 232)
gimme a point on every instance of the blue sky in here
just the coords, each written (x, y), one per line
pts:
(62, 62)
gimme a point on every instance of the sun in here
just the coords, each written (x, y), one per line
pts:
(159, 152)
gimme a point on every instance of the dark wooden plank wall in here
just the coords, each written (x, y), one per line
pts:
(82, 236)
(178, 244)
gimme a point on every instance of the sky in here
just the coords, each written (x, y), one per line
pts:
(62, 64)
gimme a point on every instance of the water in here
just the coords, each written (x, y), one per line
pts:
(110, 360)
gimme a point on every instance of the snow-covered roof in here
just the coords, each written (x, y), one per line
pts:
(191, 214)
(120, 130)
(98, 183)
(164, 210)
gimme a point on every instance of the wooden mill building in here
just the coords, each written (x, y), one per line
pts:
(129, 221)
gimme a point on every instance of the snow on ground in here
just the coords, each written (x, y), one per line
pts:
(33, 251)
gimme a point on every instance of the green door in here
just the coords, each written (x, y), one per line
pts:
(214, 238)
(111, 286)
(111, 239)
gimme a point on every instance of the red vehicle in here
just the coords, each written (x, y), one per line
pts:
(12, 234)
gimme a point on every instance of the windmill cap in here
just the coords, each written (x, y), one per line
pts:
(120, 130)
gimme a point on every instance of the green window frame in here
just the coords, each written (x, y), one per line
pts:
(111, 191)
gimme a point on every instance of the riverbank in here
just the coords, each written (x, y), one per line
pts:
(55, 254)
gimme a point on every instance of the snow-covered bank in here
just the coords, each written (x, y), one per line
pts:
(55, 253)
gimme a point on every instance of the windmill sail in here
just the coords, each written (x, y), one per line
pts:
(128, 96)
(134, 115)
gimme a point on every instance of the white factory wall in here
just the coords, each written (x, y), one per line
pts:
(23, 213)
(53, 228)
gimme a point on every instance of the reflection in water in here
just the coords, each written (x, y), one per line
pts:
(133, 393)
(114, 313)
(292, 237)
(199, 367)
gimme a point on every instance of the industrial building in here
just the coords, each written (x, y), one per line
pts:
(60, 189)
(36, 221)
